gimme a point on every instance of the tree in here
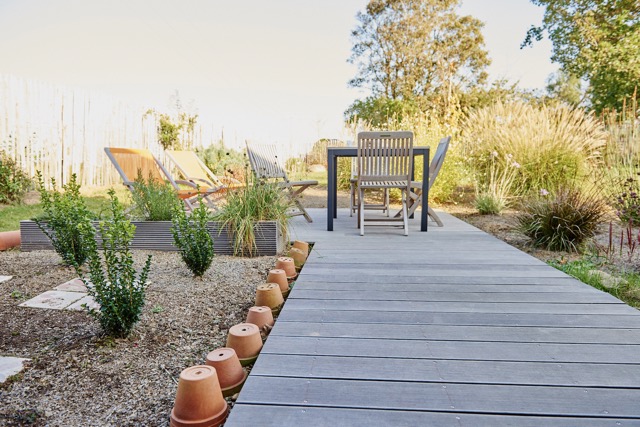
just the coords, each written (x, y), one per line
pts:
(595, 40)
(417, 50)
(565, 88)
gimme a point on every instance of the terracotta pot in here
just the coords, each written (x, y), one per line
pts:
(269, 294)
(9, 239)
(303, 246)
(245, 339)
(280, 277)
(260, 316)
(287, 264)
(299, 258)
(199, 400)
(231, 376)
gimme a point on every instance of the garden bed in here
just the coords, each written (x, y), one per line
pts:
(78, 377)
(156, 235)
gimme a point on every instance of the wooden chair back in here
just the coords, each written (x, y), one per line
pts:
(438, 159)
(385, 157)
(128, 161)
(192, 167)
(264, 161)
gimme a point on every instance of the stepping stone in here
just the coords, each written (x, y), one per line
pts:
(84, 300)
(5, 278)
(73, 285)
(10, 366)
(56, 300)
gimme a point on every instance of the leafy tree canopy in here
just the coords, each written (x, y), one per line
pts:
(420, 51)
(595, 40)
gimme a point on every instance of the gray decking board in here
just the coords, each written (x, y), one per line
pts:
(483, 319)
(278, 415)
(517, 297)
(448, 327)
(469, 398)
(455, 350)
(447, 371)
(461, 333)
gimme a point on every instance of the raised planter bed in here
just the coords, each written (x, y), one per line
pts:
(156, 235)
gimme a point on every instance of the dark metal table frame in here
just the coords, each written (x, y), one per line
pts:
(332, 185)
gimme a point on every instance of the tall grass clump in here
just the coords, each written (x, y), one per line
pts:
(257, 201)
(564, 219)
(494, 192)
(553, 145)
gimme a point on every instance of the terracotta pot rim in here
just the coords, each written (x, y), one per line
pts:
(233, 386)
(213, 421)
(248, 360)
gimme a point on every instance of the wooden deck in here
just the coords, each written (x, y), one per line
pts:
(448, 327)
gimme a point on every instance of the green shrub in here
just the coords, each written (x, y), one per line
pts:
(627, 202)
(224, 161)
(14, 182)
(113, 283)
(553, 145)
(66, 220)
(153, 200)
(191, 236)
(258, 201)
(563, 221)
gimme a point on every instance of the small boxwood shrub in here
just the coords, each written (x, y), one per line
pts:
(191, 236)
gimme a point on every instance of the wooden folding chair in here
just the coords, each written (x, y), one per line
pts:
(266, 166)
(385, 161)
(195, 170)
(130, 161)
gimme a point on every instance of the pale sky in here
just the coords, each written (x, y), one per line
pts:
(269, 71)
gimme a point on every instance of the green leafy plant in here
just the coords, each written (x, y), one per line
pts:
(14, 182)
(152, 200)
(191, 236)
(627, 202)
(66, 221)
(113, 283)
(564, 220)
(257, 201)
(224, 161)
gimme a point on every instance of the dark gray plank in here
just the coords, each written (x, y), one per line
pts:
(243, 415)
(473, 270)
(439, 258)
(304, 283)
(345, 277)
(449, 371)
(461, 307)
(487, 319)
(455, 350)
(475, 398)
(459, 333)
(520, 297)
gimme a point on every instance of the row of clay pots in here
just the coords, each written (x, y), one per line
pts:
(201, 389)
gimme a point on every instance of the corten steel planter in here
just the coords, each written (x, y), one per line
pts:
(231, 376)
(156, 235)
(303, 246)
(270, 295)
(280, 277)
(9, 239)
(199, 401)
(260, 316)
(287, 264)
(245, 339)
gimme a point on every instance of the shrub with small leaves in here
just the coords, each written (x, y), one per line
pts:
(66, 221)
(152, 200)
(627, 203)
(191, 236)
(14, 182)
(112, 282)
(564, 220)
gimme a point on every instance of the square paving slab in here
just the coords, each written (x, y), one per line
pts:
(56, 300)
(10, 366)
(84, 300)
(73, 285)
(5, 278)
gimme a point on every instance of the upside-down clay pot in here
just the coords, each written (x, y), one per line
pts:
(245, 339)
(299, 258)
(260, 316)
(303, 246)
(231, 376)
(9, 239)
(199, 401)
(280, 277)
(270, 295)
(286, 264)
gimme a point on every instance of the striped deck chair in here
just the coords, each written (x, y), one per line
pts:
(131, 161)
(266, 166)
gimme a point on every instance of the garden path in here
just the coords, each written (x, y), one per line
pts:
(447, 327)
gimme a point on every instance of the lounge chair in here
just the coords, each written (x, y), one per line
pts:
(385, 161)
(266, 166)
(195, 170)
(129, 162)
